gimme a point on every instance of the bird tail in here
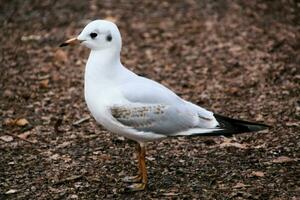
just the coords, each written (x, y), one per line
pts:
(229, 126)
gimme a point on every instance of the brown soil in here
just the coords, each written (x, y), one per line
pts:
(236, 58)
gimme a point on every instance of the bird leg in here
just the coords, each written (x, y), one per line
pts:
(142, 177)
(137, 178)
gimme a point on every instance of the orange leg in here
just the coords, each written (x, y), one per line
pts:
(142, 177)
(138, 177)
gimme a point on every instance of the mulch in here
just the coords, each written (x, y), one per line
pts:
(236, 58)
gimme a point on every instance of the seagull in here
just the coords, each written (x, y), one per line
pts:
(138, 108)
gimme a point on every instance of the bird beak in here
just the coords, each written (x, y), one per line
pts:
(72, 41)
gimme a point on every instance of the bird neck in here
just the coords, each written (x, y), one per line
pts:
(103, 64)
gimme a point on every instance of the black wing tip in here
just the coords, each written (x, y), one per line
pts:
(239, 126)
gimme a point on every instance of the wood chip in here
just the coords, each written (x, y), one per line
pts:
(282, 159)
(170, 194)
(7, 138)
(72, 178)
(258, 173)
(240, 185)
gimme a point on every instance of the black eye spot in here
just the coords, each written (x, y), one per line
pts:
(109, 37)
(93, 35)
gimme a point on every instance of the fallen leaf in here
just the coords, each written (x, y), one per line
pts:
(60, 56)
(8, 93)
(258, 173)
(9, 122)
(24, 135)
(63, 145)
(259, 117)
(233, 90)
(260, 146)
(73, 196)
(7, 138)
(31, 38)
(282, 159)
(44, 83)
(228, 143)
(11, 191)
(292, 124)
(54, 157)
(240, 185)
(112, 19)
(21, 122)
(105, 157)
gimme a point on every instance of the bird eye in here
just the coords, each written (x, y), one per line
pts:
(109, 38)
(93, 35)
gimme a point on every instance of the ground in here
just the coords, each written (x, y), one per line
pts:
(236, 58)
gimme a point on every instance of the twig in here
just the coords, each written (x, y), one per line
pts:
(16, 136)
(81, 121)
(72, 178)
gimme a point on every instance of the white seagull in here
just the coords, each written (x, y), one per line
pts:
(138, 108)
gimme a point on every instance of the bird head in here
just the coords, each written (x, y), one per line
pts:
(98, 35)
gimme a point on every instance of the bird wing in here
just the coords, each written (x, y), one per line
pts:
(150, 107)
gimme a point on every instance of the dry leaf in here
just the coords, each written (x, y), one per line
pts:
(8, 93)
(112, 19)
(240, 185)
(74, 196)
(60, 56)
(24, 135)
(54, 157)
(21, 122)
(44, 83)
(25, 38)
(228, 143)
(11, 191)
(9, 122)
(296, 124)
(63, 145)
(258, 173)
(7, 138)
(105, 157)
(282, 159)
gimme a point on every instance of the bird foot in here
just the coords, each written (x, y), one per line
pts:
(132, 179)
(135, 187)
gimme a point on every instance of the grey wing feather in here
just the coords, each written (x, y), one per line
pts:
(151, 107)
(155, 118)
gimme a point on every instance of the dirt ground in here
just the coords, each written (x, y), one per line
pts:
(236, 58)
